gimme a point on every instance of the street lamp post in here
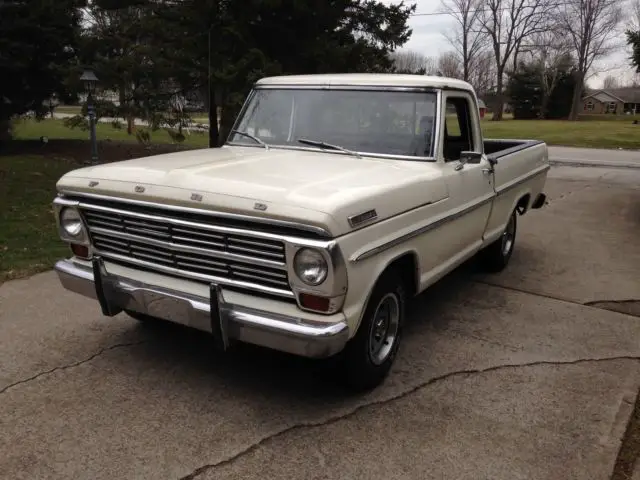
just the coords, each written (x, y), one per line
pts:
(90, 80)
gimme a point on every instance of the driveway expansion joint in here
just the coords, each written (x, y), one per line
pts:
(599, 304)
(336, 418)
(71, 365)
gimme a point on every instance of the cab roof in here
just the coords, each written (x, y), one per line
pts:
(366, 80)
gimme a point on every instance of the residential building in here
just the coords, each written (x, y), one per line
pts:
(617, 101)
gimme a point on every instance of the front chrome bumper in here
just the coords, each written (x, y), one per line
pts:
(225, 321)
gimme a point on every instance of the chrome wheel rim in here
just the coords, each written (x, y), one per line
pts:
(508, 236)
(384, 328)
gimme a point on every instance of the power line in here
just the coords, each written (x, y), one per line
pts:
(434, 14)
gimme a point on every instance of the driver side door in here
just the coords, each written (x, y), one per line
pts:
(470, 185)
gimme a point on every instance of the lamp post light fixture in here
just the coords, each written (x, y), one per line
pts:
(90, 80)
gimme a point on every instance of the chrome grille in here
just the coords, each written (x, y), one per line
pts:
(199, 251)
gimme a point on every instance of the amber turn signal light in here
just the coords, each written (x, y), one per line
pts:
(80, 251)
(312, 302)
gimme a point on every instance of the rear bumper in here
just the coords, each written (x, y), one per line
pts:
(225, 321)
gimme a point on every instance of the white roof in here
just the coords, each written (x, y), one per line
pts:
(368, 80)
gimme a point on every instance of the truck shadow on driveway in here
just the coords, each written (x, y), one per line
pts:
(247, 367)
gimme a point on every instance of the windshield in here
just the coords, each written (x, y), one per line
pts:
(382, 122)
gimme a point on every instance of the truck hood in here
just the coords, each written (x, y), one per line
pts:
(315, 188)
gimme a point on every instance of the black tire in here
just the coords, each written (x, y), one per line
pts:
(359, 367)
(496, 256)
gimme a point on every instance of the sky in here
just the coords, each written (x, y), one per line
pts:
(428, 39)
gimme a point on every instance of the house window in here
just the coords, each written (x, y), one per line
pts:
(611, 107)
(589, 106)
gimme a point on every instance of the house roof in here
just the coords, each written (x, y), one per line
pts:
(625, 94)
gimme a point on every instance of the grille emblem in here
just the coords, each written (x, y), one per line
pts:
(93, 183)
(139, 189)
(196, 197)
(260, 206)
(362, 218)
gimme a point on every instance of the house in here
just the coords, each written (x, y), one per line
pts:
(617, 101)
(482, 107)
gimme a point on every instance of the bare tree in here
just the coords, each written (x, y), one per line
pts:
(483, 73)
(610, 82)
(409, 61)
(508, 23)
(592, 26)
(467, 39)
(449, 65)
(551, 51)
(634, 19)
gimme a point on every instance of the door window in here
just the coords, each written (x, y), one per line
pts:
(458, 134)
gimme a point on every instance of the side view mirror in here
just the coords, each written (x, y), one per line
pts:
(468, 157)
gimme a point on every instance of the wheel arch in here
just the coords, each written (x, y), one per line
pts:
(523, 203)
(407, 265)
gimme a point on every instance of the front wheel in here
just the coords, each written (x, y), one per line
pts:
(496, 256)
(368, 357)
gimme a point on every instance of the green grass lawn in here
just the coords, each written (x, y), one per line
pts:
(28, 239)
(30, 129)
(74, 109)
(29, 242)
(592, 133)
(613, 132)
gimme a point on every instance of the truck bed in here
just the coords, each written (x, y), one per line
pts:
(516, 161)
(495, 149)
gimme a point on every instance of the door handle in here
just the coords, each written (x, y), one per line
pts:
(487, 171)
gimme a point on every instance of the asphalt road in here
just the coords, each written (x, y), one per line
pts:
(520, 375)
(594, 157)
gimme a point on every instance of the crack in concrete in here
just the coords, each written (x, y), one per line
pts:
(594, 302)
(336, 418)
(627, 307)
(599, 304)
(529, 292)
(71, 365)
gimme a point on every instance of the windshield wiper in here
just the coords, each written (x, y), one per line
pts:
(320, 144)
(254, 138)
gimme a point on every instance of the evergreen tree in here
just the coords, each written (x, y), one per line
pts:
(255, 38)
(559, 105)
(633, 39)
(527, 95)
(38, 42)
(525, 92)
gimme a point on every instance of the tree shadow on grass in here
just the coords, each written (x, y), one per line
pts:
(80, 150)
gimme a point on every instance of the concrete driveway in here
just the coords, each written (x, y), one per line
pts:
(520, 375)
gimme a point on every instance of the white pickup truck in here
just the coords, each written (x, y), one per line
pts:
(334, 199)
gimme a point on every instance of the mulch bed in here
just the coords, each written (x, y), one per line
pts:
(80, 150)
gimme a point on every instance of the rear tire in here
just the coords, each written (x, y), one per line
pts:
(496, 256)
(369, 355)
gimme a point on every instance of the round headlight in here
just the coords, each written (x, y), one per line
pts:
(310, 266)
(71, 222)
